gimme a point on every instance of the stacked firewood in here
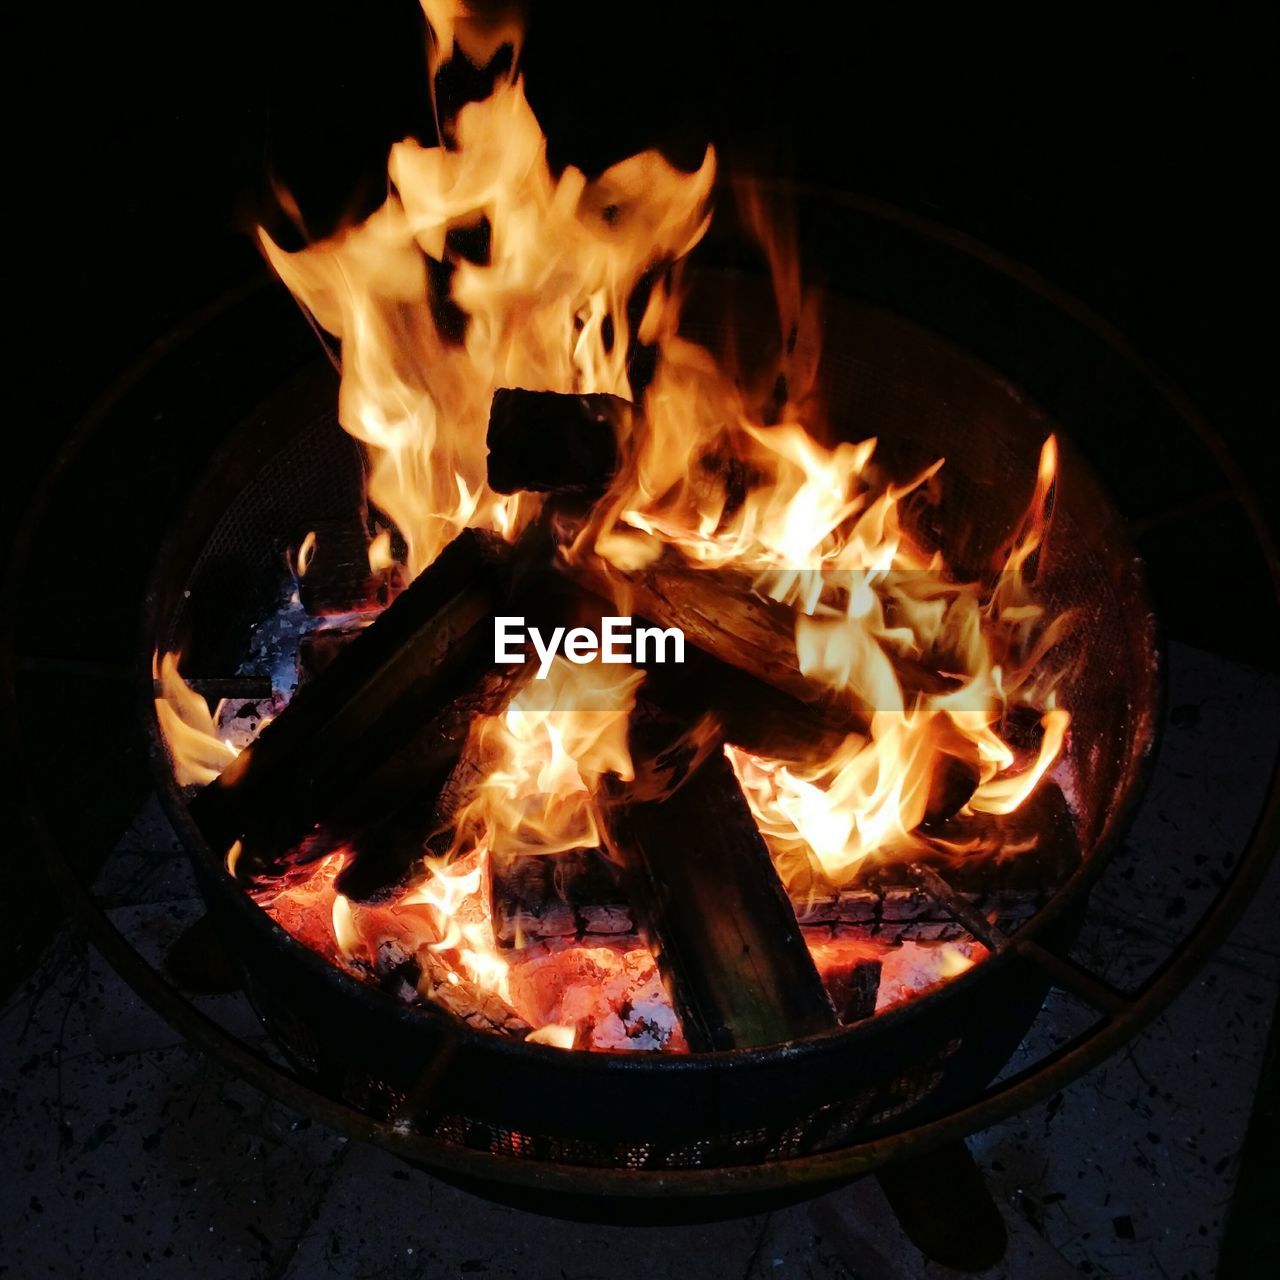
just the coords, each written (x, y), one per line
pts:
(366, 754)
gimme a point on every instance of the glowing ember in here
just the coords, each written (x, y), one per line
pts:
(608, 997)
(916, 967)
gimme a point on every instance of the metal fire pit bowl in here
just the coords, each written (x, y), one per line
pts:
(939, 347)
(290, 469)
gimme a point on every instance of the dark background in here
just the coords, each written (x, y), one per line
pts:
(1121, 151)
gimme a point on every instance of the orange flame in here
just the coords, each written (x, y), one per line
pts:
(540, 761)
(189, 728)
(872, 793)
(546, 311)
(545, 276)
(305, 553)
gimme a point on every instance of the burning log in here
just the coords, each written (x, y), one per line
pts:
(715, 915)
(385, 817)
(359, 758)
(721, 614)
(466, 1001)
(544, 442)
(375, 697)
(740, 662)
(753, 715)
(540, 897)
(383, 945)
(424, 974)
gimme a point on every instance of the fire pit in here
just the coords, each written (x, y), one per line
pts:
(443, 1078)
(888, 656)
(522, 1099)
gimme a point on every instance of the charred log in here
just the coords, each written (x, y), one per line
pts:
(369, 703)
(721, 613)
(713, 911)
(544, 442)
(538, 897)
(425, 975)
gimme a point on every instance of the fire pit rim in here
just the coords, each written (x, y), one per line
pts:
(1050, 1072)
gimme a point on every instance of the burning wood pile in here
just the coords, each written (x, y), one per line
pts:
(822, 788)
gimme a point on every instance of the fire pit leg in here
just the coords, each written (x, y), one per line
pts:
(945, 1209)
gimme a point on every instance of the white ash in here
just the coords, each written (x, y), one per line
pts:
(911, 968)
(273, 643)
(240, 720)
(610, 991)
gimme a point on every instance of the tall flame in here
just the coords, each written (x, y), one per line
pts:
(484, 270)
(543, 285)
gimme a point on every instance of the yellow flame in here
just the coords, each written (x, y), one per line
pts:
(190, 732)
(380, 559)
(305, 553)
(722, 470)
(541, 761)
(555, 1034)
